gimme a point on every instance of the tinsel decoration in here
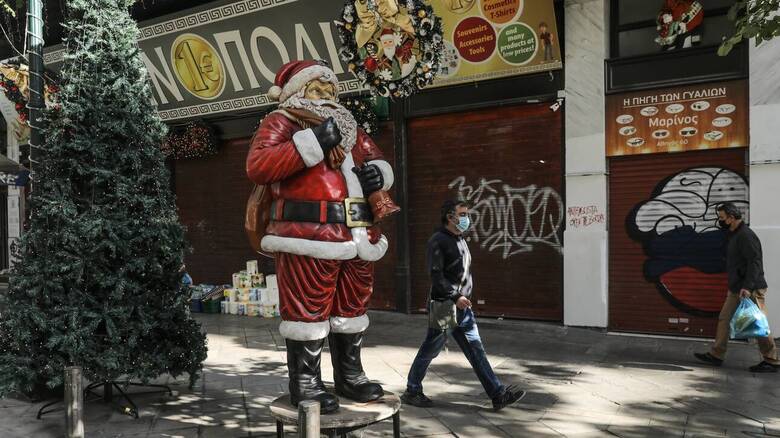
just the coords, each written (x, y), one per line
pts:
(194, 140)
(361, 109)
(393, 46)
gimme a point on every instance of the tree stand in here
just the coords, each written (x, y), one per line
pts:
(108, 396)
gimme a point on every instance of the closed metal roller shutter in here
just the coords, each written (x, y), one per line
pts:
(507, 163)
(666, 258)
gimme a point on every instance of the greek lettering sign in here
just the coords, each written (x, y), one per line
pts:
(709, 116)
(487, 39)
(223, 57)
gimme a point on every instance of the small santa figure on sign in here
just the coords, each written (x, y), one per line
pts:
(327, 185)
(676, 22)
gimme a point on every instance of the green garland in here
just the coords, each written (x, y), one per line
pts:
(195, 140)
(362, 109)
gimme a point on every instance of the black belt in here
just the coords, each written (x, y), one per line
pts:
(354, 212)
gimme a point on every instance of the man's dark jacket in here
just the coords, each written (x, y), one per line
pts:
(448, 264)
(744, 261)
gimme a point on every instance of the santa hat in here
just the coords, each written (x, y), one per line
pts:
(386, 32)
(293, 76)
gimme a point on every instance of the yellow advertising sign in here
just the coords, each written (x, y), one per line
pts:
(488, 39)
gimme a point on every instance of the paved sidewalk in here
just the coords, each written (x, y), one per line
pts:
(581, 383)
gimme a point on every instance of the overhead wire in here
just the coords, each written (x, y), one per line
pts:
(10, 43)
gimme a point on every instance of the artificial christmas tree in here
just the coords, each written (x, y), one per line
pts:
(98, 281)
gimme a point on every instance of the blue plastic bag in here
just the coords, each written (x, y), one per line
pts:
(748, 321)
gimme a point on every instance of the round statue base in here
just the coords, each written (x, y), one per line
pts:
(349, 417)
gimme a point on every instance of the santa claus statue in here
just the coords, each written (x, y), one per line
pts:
(676, 22)
(320, 169)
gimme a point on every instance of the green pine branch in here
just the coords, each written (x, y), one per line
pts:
(753, 19)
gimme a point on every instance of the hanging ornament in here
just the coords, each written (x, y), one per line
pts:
(15, 83)
(362, 109)
(387, 42)
(194, 140)
(676, 20)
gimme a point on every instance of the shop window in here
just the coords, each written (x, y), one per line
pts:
(633, 26)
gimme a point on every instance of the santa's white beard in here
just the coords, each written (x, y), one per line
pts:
(390, 53)
(328, 108)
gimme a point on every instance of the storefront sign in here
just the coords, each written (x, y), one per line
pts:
(709, 116)
(14, 178)
(487, 39)
(223, 57)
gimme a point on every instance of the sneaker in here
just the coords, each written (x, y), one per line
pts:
(511, 395)
(764, 367)
(708, 358)
(416, 399)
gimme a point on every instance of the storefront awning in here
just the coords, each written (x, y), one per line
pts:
(12, 173)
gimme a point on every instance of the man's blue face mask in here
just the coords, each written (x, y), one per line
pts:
(464, 222)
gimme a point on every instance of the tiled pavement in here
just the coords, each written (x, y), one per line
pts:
(581, 383)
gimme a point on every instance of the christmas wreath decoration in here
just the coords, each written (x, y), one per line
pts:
(193, 140)
(361, 109)
(13, 94)
(676, 19)
(392, 46)
(15, 83)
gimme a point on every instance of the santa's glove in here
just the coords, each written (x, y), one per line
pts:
(328, 135)
(371, 179)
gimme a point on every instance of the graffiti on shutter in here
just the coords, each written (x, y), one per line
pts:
(677, 225)
(509, 219)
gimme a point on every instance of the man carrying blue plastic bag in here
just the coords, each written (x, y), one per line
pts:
(748, 321)
(745, 268)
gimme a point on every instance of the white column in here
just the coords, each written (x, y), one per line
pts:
(585, 239)
(15, 201)
(765, 165)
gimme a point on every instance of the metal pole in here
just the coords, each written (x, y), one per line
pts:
(403, 285)
(309, 419)
(74, 403)
(35, 61)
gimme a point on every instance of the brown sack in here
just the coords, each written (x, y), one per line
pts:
(258, 216)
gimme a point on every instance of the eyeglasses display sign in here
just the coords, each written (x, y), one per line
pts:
(705, 116)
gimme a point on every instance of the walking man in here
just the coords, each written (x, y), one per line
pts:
(745, 268)
(449, 311)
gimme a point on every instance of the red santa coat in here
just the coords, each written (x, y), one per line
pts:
(290, 160)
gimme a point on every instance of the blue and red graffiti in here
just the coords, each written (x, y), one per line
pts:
(678, 229)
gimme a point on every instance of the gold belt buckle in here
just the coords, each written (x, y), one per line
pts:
(348, 203)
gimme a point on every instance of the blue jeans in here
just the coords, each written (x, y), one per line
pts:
(466, 335)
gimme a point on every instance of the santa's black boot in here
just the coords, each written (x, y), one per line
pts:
(351, 381)
(303, 363)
